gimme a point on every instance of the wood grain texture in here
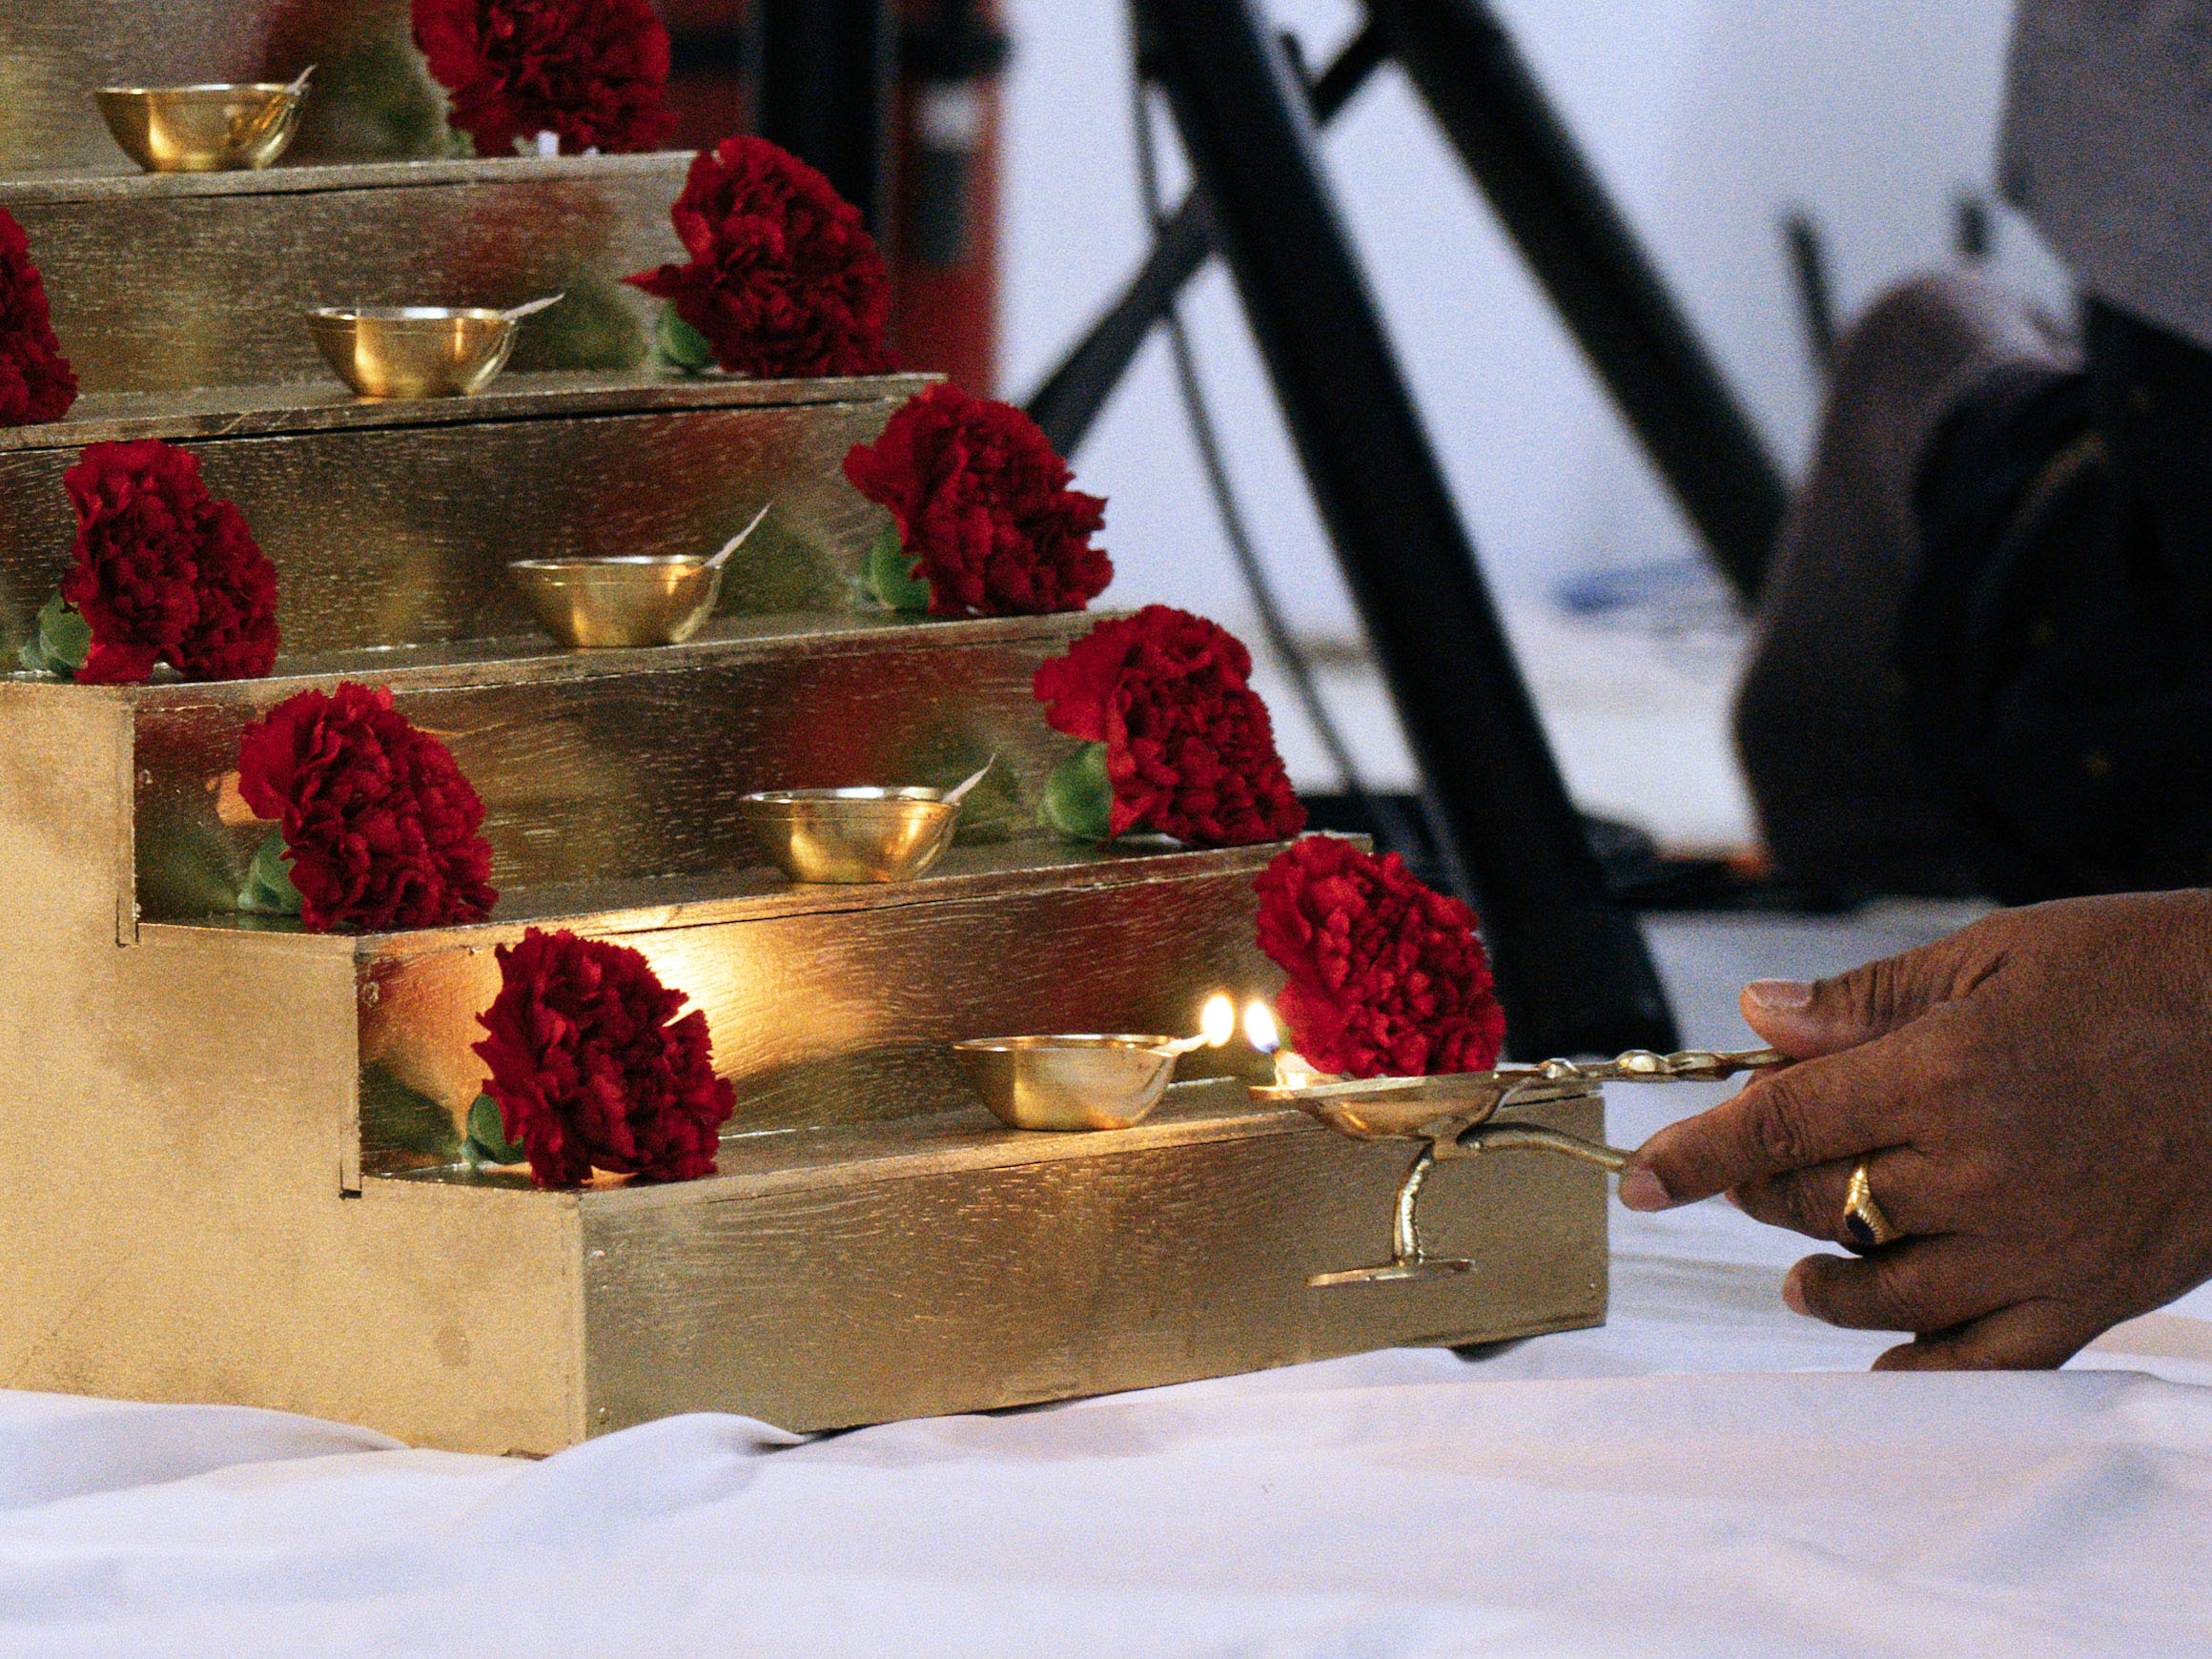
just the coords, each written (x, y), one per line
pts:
(371, 96)
(613, 775)
(844, 1017)
(969, 1290)
(172, 284)
(294, 408)
(388, 535)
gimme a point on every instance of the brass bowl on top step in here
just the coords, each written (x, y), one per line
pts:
(219, 128)
(414, 351)
(850, 835)
(1069, 1082)
(602, 604)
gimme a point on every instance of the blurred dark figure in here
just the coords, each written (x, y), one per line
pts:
(1985, 649)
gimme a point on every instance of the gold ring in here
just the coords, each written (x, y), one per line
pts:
(1863, 1221)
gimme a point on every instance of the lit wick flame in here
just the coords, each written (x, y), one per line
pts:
(1217, 1025)
(1259, 1028)
(1291, 1071)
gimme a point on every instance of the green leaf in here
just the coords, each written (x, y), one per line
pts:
(268, 889)
(65, 639)
(1078, 796)
(394, 1114)
(684, 345)
(891, 574)
(488, 1136)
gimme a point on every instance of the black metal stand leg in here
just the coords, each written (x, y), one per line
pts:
(823, 88)
(1068, 401)
(1473, 79)
(1572, 969)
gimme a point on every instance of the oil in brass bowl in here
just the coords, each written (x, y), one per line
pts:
(1069, 1082)
(222, 128)
(414, 351)
(850, 835)
(598, 603)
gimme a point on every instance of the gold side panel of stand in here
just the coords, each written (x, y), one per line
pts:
(385, 536)
(372, 96)
(170, 1213)
(857, 1301)
(636, 774)
(161, 287)
(838, 1016)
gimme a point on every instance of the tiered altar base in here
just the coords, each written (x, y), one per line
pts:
(236, 1168)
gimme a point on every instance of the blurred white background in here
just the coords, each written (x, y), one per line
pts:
(1706, 119)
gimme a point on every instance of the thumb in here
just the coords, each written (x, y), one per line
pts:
(1808, 1020)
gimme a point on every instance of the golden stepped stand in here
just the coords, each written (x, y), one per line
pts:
(391, 523)
(622, 765)
(234, 1169)
(171, 282)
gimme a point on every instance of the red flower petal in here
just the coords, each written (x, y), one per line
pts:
(1189, 750)
(164, 571)
(1386, 977)
(784, 280)
(36, 383)
(593, 71)
(983, 508)
(381, 828)
(592, 1069)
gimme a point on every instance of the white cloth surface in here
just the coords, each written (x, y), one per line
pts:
(1707, 1475)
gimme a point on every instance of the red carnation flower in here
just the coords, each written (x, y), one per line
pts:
(382, 830)
(591, 1067)
(36, 383)
(593, 71)
(1189, 750)
(164, 571)
(983, 508)
(783, 280)
(1387, 978)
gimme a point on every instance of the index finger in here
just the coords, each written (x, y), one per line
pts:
(1839, 1106)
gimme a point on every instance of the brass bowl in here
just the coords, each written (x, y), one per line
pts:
(598, 604)
(1069, 1082)
(222, 128)
(413, 351)
(850, 835)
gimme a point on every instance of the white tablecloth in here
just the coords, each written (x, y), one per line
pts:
(1706, 1475)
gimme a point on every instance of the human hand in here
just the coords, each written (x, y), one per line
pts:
(2033, 1098)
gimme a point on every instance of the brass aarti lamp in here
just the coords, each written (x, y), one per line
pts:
(1450, 1116)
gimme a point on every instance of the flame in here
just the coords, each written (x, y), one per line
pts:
(1259, 1028)
(1219, 1021)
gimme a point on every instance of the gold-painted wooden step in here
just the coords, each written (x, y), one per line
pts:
(171, 282)
(594, 765)
(923, 1268)
(372, 97)
(833, 1005)
(828, 1005)
(391, 522)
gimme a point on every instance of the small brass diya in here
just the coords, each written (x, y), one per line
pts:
(1079, 1081)
(1450, 1116)
(852, 835)
(219, 127)
(414, 351)
(1069, 1082)
(601, 604)
(640, 600)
